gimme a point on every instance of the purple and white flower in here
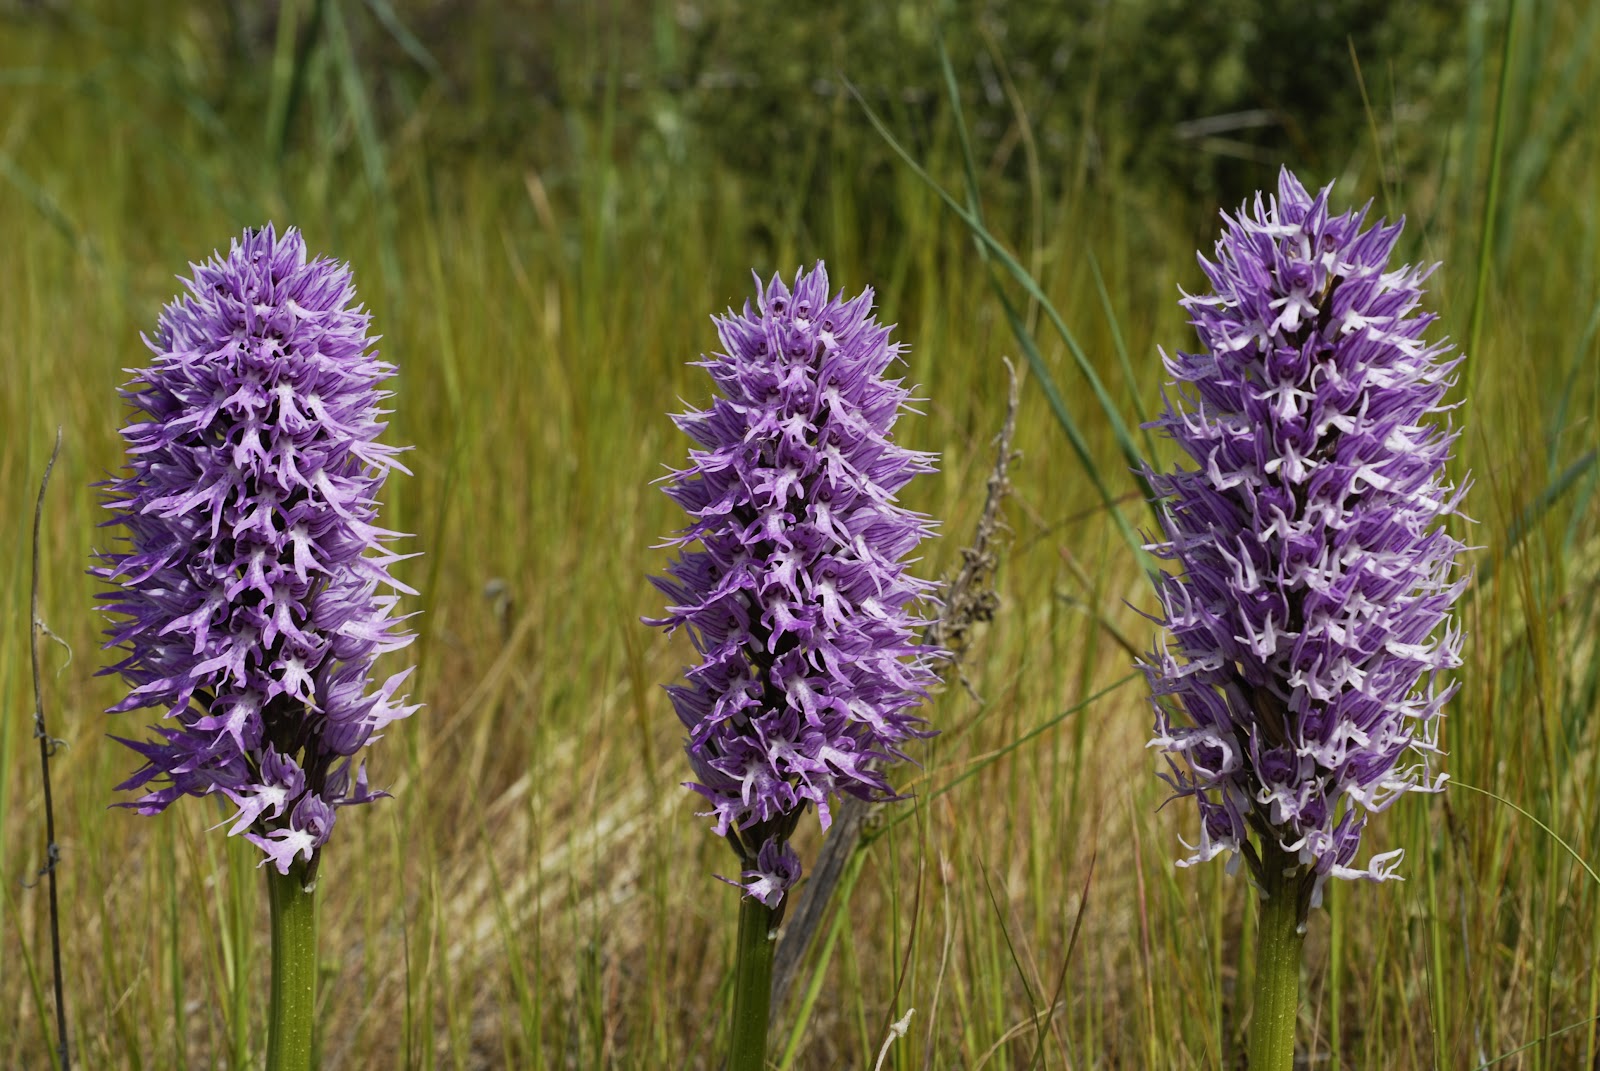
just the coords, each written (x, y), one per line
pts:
(1310, 613)
(254, 595)
(792, 579)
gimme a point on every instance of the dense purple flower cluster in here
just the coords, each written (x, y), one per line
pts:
(1313, 573)
(251, 590)
(795, 592)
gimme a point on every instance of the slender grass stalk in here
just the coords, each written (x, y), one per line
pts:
(1591, 1046)
(808, 1003)
(1437, 979)
(294, 970)
(286, 77)
(1486, 234)
(752, 985)
(47, 747)
(991, 247)
(239, 951)
(1279, 943)
(1336, 947)
(175, 965)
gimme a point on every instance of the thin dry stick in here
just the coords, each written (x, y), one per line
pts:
(897, 1030)
(47, 747)
(969, 599)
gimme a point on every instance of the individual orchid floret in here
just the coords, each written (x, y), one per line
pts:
(776, 868)
(254, 595)
(792, 579)
(1310, 612)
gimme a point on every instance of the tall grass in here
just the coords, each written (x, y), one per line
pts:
(535, 894)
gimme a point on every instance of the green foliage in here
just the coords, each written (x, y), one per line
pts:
(1202, 98)
(1230, 89)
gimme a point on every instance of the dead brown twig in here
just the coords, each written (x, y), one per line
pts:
(47, 747)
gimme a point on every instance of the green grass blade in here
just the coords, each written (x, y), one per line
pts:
(41, 1006)
(999, 753)
(1569, 384)
(288, 64)
(1486, 235)
(1569, 1028)
(808, 1003)
(374, 164)
(1595, 877)
(989, 247)
(1031, 286)
(1120, 346)
(384, 12)
(46, 205)
(1075, 438)
(1534, 512)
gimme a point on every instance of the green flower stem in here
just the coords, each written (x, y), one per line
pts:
(1278, 953)
(294, 970)
(752, 986)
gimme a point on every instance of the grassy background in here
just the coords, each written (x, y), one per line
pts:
(542, 206)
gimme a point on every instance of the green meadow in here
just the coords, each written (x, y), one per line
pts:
(543, 203)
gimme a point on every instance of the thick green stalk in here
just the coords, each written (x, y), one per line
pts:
(1278, 952)
(752, 986)
(294, 970)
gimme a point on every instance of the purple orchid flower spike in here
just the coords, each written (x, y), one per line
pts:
(792, 579)
(254, 594)
(1310, 614)
(1311, 606)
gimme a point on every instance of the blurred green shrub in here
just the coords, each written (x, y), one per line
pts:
(1207, 96)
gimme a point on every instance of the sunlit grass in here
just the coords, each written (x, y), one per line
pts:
(537, 894)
